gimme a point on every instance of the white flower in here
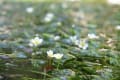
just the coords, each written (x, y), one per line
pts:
(73, 38)
(118, 27)
(57, 38)
(108, 70)
(36, 41)
(50, 53)
(92, 36)
(102, 35)
(103, 49)
(114, 2)
(82, 44)
(59, 23)
(73, 0)
(73, 25)
(52, 6)
(48, 17)
(64, 5)
(58, 55)
(29, 9)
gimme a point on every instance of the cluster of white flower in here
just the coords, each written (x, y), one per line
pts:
(52, 55)
(38, 41)
(81, 43)
(48, 17)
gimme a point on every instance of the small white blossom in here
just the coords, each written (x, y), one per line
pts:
(103, 49)
(29, 9)
(48, 17)
(81, 15)
(33, 54)
(57, 38)
(50, 53)
(118, 27)
(59, 23)
(64, 5)
(58, 55)
(73, 25)
(73, 0)
(36, 35)
(103, 35)
(92, 36)
(114, 2)
(52, 6)
(73, 38)
(82, 44)
(36, 41)
(108, 70)
(110, 40)
(99, 71)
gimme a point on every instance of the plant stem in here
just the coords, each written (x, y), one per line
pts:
(58, 65)
(44, 75)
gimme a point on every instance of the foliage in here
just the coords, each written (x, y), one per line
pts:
(99, 61)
